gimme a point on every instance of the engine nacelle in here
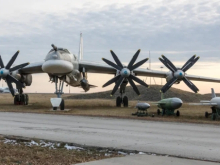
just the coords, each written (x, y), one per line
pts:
(27, 79)
(85, 84)
(170, 76)
(24, 78)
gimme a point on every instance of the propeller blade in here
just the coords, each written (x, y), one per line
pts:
(190, 64)
(134, 58)
(133, 85)
(190, 85)
(19, 67)
(117, 85)
(10, 87)
(12, 60)
(171, 69)
(190, 60)
(11, 79)
(111, 81)
(169, 62)
(139, 81)
(168, 85)
(118, 62)
(1, 63)
(112, 64)
(138, 64)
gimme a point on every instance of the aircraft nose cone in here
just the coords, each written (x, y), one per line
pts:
(59, 67)
(176, 103)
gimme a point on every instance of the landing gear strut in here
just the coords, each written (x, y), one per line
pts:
(58, 102)
(120, 99)
(21, 98)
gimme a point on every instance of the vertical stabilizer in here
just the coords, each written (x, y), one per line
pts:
(213, 93)
(80, 55)
(162, 95)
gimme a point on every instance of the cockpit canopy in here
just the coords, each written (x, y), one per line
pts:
(61, 50)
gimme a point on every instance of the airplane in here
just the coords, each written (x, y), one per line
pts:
(214, 103)
(169, 105)
(64, 67)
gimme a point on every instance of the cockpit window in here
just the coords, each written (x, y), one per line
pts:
(61, 50)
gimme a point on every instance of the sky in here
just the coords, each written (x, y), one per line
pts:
(177, 29)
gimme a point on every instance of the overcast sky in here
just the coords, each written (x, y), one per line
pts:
(177, 29)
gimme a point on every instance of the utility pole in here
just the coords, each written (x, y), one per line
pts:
(161, 71)
(150, 65)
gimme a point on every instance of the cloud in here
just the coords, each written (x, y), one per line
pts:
(177, 29)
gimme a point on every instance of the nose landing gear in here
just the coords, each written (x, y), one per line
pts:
(58, 102)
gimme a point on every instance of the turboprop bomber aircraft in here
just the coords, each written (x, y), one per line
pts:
(64, 67)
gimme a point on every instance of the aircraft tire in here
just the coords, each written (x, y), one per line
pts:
(125, 101)
(158, 111)
(16, 100)
(26, 99)
(62, 105)
(54, 108)
(206, 114)
(118, 101)
(178, 113)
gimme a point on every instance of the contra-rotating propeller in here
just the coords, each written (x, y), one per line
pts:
(125, 72)
(6, 70)
(179, 74)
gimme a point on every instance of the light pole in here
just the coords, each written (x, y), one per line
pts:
(161, 71)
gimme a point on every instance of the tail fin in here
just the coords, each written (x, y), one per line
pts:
(162, 95)
(213, 93)
(80, 55)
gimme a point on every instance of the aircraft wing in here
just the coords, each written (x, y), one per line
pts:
(102, 68)
(92, 67)
(200, 78)
(32, 68)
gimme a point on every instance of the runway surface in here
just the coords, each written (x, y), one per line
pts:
(177, 139)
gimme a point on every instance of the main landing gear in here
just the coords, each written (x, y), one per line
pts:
(122, 99)
(58, 102)
(20, 98)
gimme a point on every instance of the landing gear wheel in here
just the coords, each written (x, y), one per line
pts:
(62, 105)
(118, 101)
(125, 101)
(163, 112)
(158, 111)
(213, 116)
(178, 113)
(206, 114)
(54, 108)
(16, 101)
(27, 99)
(23, 99)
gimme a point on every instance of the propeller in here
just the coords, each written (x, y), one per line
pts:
(125, 72)
(6, 70)
(179, 74)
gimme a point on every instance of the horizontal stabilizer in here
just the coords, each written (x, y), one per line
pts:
(208, 104)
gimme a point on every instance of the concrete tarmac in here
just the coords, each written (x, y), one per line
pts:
(178, 139)
(147, 160)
